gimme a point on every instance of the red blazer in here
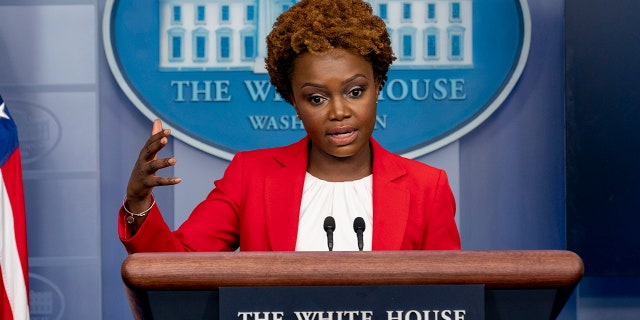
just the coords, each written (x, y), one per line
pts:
(256, 207)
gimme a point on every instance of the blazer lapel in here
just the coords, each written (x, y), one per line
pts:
(390, 201)
(283, 196)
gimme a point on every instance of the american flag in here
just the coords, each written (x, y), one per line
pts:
(14, 284)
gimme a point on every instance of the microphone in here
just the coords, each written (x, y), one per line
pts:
(358, 227)
(329, 226)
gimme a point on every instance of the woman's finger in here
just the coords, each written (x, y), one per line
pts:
(157, 126)
(154, 144)
(154, 165)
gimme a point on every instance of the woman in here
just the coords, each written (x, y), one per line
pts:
(329, 59)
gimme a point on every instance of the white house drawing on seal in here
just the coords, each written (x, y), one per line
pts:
(201, 35)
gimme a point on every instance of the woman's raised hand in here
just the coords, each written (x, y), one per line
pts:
(143, 176)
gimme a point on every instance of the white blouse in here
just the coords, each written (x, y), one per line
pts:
(344, 201)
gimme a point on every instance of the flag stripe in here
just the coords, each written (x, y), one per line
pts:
(13, 257)
(14, 268)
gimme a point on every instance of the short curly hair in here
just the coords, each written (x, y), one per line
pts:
(319, 25)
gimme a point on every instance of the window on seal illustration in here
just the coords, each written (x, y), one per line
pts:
(176, 43)
(431, 37)
(407, 43)
(406, 12)
(225, 14)
(201, 17)
(251, 13)
(249, 43)
(431, 13)
(224, 44)
(176, 15)
(456, 43)
(200, 44)
(455, 12)
(382, 11)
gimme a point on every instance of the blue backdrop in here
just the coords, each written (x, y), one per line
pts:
(80, 136)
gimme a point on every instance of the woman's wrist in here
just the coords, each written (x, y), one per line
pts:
(135, 211)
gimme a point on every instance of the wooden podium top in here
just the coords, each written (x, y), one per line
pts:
(510, 269)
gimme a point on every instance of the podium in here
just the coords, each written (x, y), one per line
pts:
(527, 284)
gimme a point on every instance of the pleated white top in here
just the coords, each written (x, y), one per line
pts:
(344, 201)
